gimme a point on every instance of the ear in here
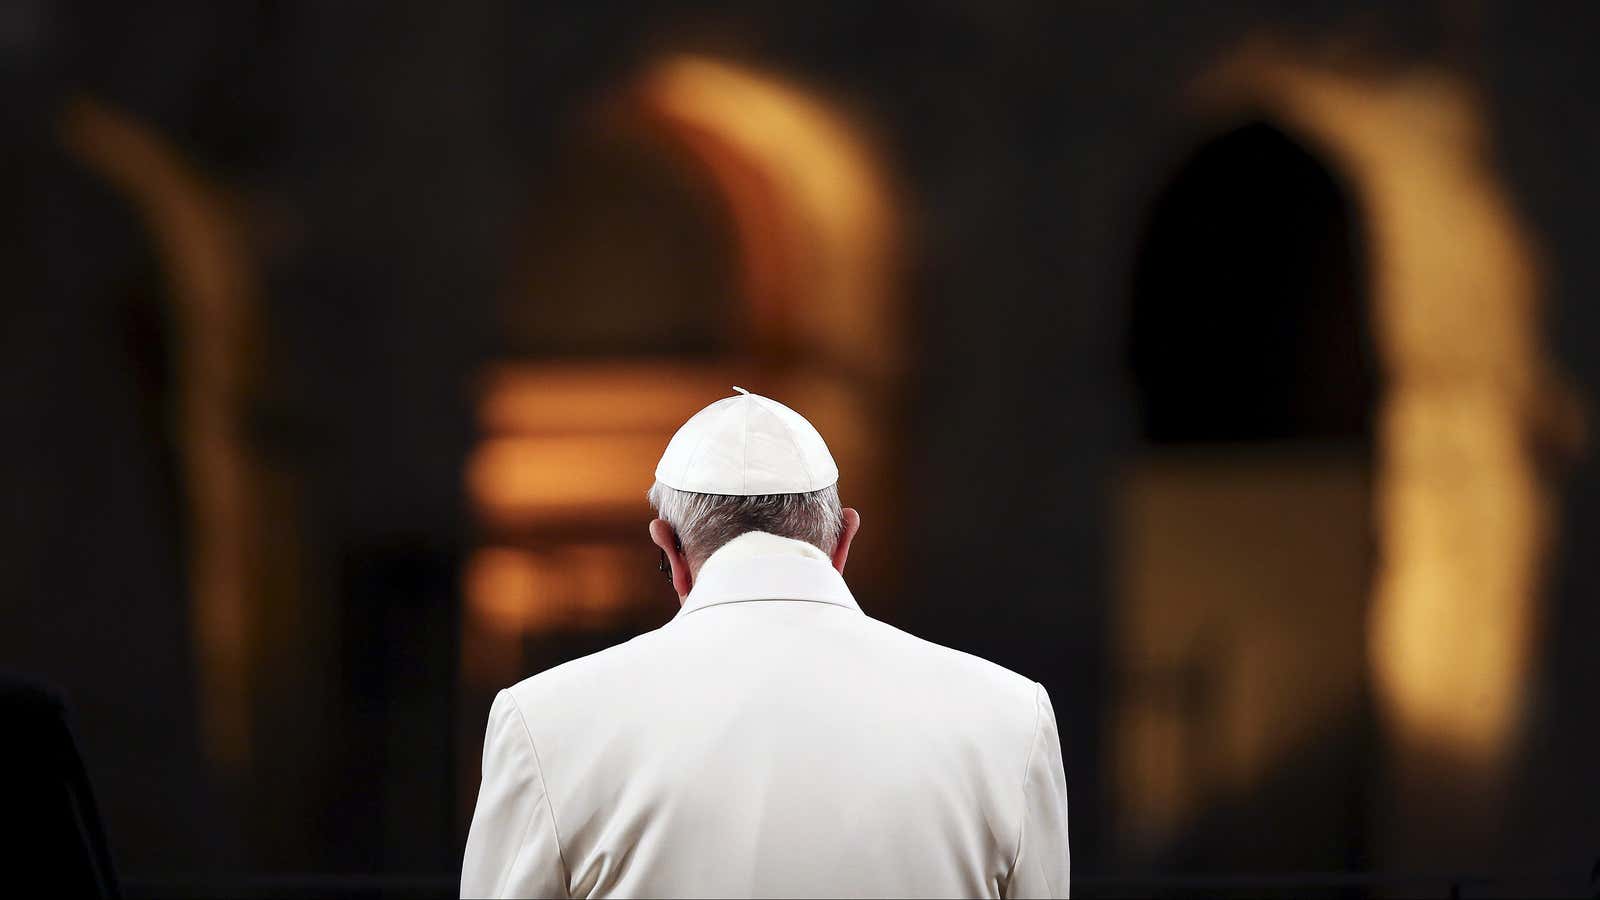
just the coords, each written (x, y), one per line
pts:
(852, 524)
(661, 534)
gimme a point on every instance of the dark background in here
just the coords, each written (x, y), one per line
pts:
(1093, 272)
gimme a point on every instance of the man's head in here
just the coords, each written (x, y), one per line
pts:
(742, 464)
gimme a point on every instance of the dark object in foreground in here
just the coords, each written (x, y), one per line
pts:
(58, 846)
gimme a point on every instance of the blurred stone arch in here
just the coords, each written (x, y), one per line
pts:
(1467, 409)
(767, 228)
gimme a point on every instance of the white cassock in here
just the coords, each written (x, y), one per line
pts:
(771, 741)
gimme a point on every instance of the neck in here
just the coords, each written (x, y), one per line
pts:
(763, 566)
(761, 543)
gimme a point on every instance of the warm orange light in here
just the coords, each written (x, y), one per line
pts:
(502, 587)
(547, 477)
(637, 395)
(512, 591)
(580, 441)
(1462, 513)
(602, 581)
(571, 447)
(813, 213)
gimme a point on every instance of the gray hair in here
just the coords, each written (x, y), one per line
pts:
(704, 522)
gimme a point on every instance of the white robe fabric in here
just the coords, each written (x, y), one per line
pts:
(771, 740)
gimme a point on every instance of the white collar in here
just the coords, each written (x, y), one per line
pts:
(757, 565)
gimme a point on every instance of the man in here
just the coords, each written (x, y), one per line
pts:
(772, 739)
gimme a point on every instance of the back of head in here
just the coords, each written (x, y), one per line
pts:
(747, 463)
(704, 522)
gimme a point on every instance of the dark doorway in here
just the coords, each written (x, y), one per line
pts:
(1250, 299)
(1244, 548)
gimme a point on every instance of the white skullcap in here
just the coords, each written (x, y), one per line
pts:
(745, 446)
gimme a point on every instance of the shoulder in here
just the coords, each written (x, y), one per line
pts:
(962, 675)
(880, 657)
(970, 665)
(583, 675)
